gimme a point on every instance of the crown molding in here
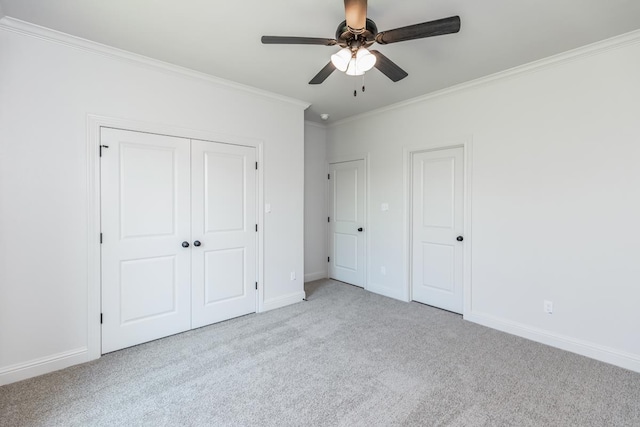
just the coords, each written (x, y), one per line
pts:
(596, 48)
(36, 31)
(315, 124)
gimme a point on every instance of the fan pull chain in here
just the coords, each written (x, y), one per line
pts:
(355, 91)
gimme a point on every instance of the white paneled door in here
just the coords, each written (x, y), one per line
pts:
(178, 235)
(146, 272)
(346, 222)
(437, 228)
(223, 230)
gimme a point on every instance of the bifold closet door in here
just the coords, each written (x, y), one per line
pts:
(224, 231)
(145, 215)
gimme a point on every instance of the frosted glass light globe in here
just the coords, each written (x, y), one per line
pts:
(341, 59)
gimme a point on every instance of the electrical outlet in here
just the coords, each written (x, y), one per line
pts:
(548, 307)
(293, 275)
(383, 270)
(384, 207)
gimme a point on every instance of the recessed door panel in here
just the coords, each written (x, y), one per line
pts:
(146, 273)
(223, 179)
(147, 190)
(438, 262)
(438, 195)
(346, 222)
(225, 188)
(346, 251)
(224, 275)
(437, 220)
(346, 185)
(148, 288)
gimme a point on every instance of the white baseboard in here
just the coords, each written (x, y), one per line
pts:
(386, 291)
(583, 348)
(284, 301)
(43, 365)
(310, 277)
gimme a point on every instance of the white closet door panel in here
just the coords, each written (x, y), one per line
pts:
(145, 218)
(224, 223)
(346, 222)
(438, 214)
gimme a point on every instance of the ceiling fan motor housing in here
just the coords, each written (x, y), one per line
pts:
(346, 38)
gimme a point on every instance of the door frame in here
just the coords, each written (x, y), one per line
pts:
(367, 249)
(466, 143)
(94, 256)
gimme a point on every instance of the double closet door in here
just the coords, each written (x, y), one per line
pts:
(179, 241)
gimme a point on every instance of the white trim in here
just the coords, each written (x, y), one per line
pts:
(466, 142)
(94, 260)
(94, 124)
(260, 188)
(310, 277)
(367, 242)
(43, 365)
(584, 348)
(284, 301)
(612, 43)
(315, 124)
(36, 31)
(468, 235)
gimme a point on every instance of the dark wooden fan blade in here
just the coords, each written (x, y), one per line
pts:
(419, 31)
(323, 74)
(355, 12)
(297, 40)
(388, 67)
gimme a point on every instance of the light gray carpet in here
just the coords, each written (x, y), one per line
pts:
(346, 357)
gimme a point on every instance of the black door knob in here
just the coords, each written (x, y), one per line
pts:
(360, 229)
(185, 244)
(459, 238)
(197, 243)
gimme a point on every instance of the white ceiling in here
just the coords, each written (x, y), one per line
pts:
(223, 39)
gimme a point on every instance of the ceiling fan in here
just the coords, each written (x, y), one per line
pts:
(357, 33)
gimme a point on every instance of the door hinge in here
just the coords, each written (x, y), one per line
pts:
(101, 318)
(328, 259)
(328, 219)
(101, 147)
(100, 238)
(328, 176)
(256, 286)
(256, 228)
(256, 165)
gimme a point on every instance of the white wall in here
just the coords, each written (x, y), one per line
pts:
(555, 195)
(47, 89)
(315, 202)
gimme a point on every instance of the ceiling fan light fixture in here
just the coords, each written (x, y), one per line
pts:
(361, 63)
(353, 69)
(341, 59)
(365, 60)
